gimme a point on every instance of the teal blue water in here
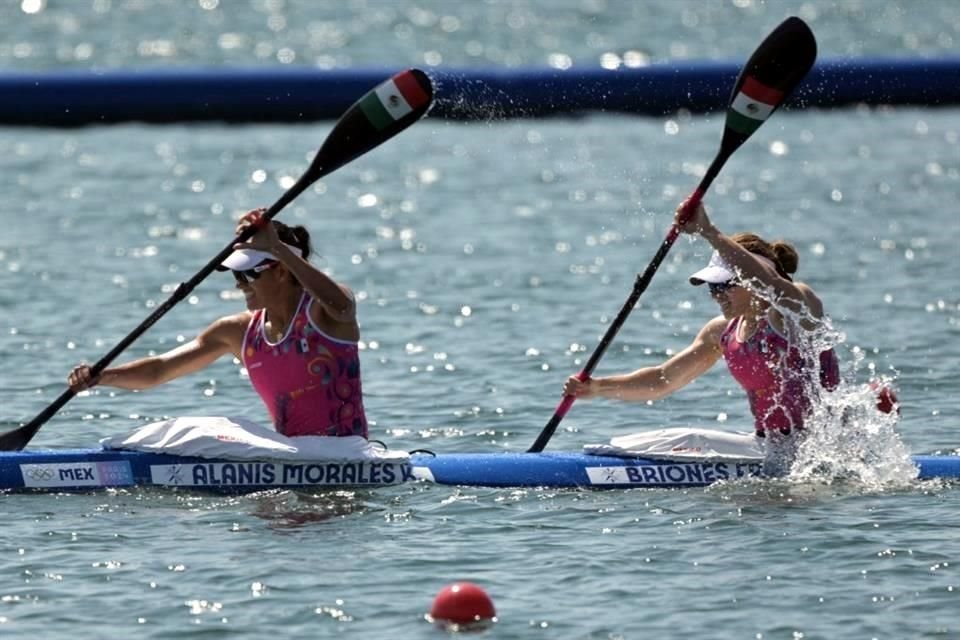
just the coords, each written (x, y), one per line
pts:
(488, 259)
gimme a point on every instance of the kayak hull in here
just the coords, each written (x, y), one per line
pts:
(87, 469)
(564, 469)
(80, 469)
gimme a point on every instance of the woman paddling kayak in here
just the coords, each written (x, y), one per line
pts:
(297, 339)
(767, 346)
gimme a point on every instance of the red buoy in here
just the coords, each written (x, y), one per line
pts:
(462, 603)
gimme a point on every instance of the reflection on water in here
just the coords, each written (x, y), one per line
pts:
(294, 509)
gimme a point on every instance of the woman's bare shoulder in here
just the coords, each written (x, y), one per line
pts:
(714, 328)
(811, 299)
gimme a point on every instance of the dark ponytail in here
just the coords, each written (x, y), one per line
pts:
(787, 259)
(781, 253)
(297, 236)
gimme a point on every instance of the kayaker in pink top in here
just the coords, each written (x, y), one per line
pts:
(775, 374)
(309, 381)
(767, 348)
(298, 338)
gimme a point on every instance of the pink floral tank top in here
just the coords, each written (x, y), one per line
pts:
(309, 381)
(775, 375)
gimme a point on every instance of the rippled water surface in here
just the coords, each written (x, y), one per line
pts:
(488, 259)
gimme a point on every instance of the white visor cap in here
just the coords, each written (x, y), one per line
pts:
(246, 259)
(716, 272)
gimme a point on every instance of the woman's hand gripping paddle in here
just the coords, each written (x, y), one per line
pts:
(382, 113)
(769, 76)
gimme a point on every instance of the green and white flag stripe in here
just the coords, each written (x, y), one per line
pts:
(752, 105)
(393, 99)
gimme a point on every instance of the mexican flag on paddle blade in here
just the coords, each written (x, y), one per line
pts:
(393, 99)
(753, 104)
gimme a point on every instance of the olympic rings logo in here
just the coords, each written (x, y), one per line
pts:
(39, 473)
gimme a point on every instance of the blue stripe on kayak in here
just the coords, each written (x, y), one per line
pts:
(68, 469)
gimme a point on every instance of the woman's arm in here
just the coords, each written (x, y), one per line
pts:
(654, 383)
(336, 300)
(222, 337)
(750, 267)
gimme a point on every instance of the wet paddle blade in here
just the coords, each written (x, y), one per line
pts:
(768, 78)
(765, 82)
(382, 113)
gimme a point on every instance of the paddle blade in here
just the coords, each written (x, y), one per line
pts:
(16, 439)
(768, 78)
(380, 114)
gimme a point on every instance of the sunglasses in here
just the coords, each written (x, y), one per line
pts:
(249, 275)
(717, 288)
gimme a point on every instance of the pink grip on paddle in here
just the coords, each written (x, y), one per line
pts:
(261, 220)
(565, 405)
(689, 206)
(568, 401)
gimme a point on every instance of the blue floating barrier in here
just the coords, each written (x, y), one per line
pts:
(76, 98)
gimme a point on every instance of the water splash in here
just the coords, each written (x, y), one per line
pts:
(847, 438)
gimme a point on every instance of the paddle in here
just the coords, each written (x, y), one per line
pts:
(380, 114)
(766, 80)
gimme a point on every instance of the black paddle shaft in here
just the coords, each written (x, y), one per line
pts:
(364, 126)
(765, 82)
(639, 286)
